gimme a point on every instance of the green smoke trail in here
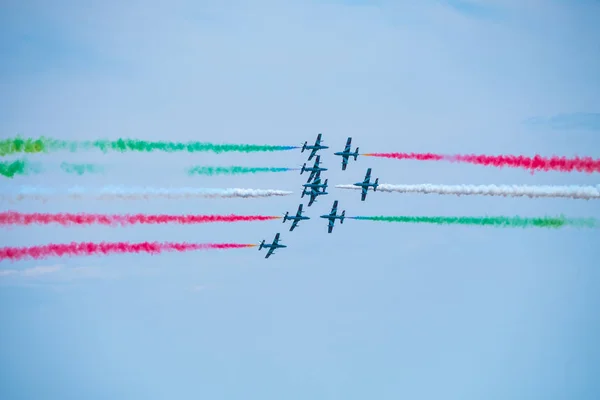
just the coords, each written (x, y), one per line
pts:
(43, 144)
(80, 169)
(233, 170)
(18, 167)
(513, 222)
(19, 145)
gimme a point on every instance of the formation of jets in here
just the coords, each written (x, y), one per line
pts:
(315, 187)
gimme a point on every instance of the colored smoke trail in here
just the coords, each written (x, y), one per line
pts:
(234, 170)
(126, 193)
(104, 248)
(535, 163)
(80, 169)
(18, 145)
(512, 222)
(573, 192)
(43, 144)
(17, 218)
(10, 169)
(18, 167)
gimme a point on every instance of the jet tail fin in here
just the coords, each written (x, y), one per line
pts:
(304, 147)
(343, 216)
(303, 169)
(355, 154)
(376, 183)
(286, 216)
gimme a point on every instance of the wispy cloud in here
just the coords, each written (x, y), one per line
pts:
(59, 273)
(41, 270)
(580, 121)
(32, 272)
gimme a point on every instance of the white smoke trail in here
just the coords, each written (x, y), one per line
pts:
(126, 193)
(573, 192)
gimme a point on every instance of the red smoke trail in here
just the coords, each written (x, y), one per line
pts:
(535, 163)
(408, 156)
(89, 248)
(17, 218)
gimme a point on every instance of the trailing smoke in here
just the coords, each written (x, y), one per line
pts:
(43, 144)
(535, 163)
(126, 193)
(506, 222)
(573, 192)
(103, 248)
(233, 170)
(66, 219)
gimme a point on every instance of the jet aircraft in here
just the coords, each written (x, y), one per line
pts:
(316, 185)
(272, 246)
(366, 184)
(317, 146)
(347, 153)
(313, 195)
(332, 216)
(315, 169)
(295, 219)
(317, 177)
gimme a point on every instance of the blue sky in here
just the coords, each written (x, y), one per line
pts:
(370, 311)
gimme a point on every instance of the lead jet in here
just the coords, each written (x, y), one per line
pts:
(317, 146)
(295, 219)
(316, 185)
(332, 216)
(315, 169)
(347, 153)
(272, 246)
(366, 184)
(313, 195)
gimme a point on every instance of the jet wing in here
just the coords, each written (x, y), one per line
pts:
(294, 223)
(312, 175)
(312, 154)
(317, 175)
(312, 198)
(271, 250)
(344, 162)
(299, 212)
(276, 240)
(318, 141)
(330, 226)
(363, 195)
(334, 208)
(368, 176)
(347, 148)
